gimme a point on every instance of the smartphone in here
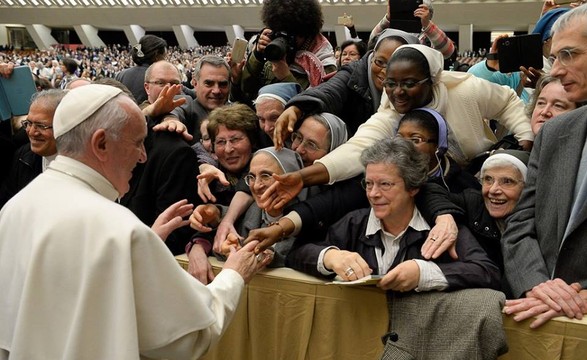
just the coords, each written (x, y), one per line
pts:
(404, 6)
(239, 49)
(521, 50)
(401, 15)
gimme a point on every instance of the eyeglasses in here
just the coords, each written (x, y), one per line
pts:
(380, 63)
(565, 56)
(163, 82)
(503, 182)
(382, 185)
(265, 179)
(298, 140)
(404, 85)
(417, 140)
(26, 123)
(221, 143)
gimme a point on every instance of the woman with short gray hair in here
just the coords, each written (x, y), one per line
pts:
(385, 238)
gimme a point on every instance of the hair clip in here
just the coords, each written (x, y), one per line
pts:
(138, 49)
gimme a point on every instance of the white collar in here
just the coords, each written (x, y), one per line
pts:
(417, 223)
(85, 174)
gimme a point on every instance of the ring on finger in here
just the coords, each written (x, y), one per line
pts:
(349, 271)
(259, 257)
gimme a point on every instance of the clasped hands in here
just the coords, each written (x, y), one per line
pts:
(548, 300)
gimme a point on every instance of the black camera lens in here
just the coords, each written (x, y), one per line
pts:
(276, 49)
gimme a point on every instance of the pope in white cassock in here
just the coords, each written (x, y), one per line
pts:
(81, 277)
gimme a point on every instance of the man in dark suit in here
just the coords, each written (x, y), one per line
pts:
(545, 243)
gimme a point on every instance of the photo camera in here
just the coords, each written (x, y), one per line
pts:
(282, 44)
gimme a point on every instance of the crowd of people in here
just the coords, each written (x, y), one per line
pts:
(375, 162)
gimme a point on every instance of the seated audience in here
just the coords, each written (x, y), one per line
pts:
(386, 238)
(32, 158)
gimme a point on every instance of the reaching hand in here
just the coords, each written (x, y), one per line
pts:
(283, 190)
(285, 125)
(442, 237)
(166, 102)
(172, 218)
(172, 124)
(209, 173)
(532, 76)
(270, 235)
(205, 217)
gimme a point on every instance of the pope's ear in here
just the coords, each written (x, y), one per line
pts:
(98, 143)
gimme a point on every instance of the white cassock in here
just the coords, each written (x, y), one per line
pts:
(82, 278)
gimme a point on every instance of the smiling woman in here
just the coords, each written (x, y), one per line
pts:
(502, 177)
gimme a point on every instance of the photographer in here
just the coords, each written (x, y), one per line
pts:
(289, 49)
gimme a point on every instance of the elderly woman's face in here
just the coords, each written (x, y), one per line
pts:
(551, 102)
(233, 149)
(387, 193)
(262, 167)
(406, 87)
(501, 188)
